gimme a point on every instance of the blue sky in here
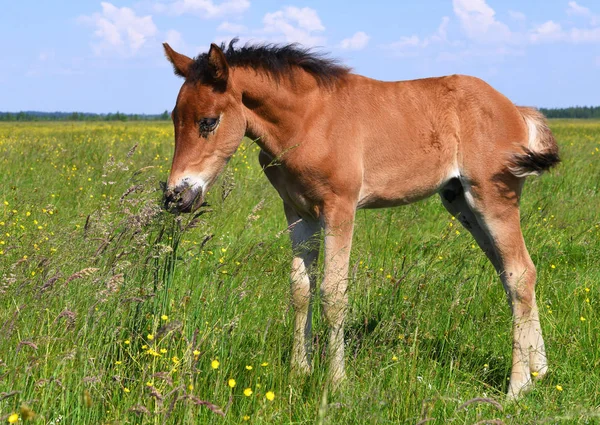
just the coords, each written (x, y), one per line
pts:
(106, 56)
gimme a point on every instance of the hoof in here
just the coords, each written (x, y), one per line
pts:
(517, 390)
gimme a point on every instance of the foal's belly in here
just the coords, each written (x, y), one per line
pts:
(396, 187)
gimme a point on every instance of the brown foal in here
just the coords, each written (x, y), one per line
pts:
(332, 141)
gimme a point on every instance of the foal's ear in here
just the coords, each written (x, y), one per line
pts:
(181, 63)
(218, 64)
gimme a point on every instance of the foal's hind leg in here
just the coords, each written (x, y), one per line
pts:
(305, 244)
(491, 213)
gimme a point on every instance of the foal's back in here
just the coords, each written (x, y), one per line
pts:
(414, 136)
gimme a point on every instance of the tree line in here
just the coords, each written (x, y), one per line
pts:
(80, 116)
(583, 112)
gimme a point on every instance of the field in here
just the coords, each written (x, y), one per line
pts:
(115, 312)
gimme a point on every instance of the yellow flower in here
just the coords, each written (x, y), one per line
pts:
(248, 367)
(559, 388)
(196, 353)
(190, 387)
(150, 337)
(164, 317)
(118, 362)
(163, 350)
(149, 383)
(394, 358)
(175, 359)
(553, 266)
(231, 383)
(534, 374)
(127, 342)
(248, 392)
(153, 353)
(126, 389)
(263, 364)
(12, 419)
(270, 395)
(246, 418)
(144, 347)
(215, 364)
(582, 319)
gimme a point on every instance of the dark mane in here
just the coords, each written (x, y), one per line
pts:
(274, 59)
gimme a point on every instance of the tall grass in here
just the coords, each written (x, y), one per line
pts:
(112, 311)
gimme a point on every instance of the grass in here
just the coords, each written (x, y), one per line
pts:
(112, 311)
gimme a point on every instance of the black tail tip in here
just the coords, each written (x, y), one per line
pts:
(533, 163)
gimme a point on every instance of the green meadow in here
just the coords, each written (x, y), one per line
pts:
(113, 311)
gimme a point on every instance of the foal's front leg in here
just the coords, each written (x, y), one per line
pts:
(305, 244)
(338, 226)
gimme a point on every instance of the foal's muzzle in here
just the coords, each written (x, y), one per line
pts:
(183, 198)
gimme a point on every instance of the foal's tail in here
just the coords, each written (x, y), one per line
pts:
(541, 152)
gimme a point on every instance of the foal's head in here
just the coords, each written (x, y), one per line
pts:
(209, 126)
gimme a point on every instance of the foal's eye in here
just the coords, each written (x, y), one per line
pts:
(207, 125)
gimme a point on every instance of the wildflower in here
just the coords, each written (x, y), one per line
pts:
(394, 358)
(149, 383)
(587, 289)
(190, 387)
(231, 383)
(270, 395)
(196, 353)
(559, 388)
(118, 362)
(126, 389)
(144, 347)
(248, 392)
(175, 359)
(163, 350)
(263, 364)
(12, 419)
(248, 367)
(582, 319)
(164, 317)
(246, 418)
(215, 364)
(553, 266)
(153, 353)
(127, 342)
(150, 337)
(534, 374)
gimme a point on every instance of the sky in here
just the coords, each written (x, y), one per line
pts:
(106, 56)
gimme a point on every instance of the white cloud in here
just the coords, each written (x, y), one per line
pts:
(175, 39)
(287, 25)
(119, 29)
(478, 21)
(357, 42)
(548, 31)
(516, 16)
(551, 31)
(292, 24)
(232, 28)
(577, 10)
(578, 35)
(202, 8)
(440, 36)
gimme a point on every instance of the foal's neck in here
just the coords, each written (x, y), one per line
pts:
(276, 109)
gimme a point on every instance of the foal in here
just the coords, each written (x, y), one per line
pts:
(332, 141)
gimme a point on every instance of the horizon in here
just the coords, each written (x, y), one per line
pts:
(107, 56)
